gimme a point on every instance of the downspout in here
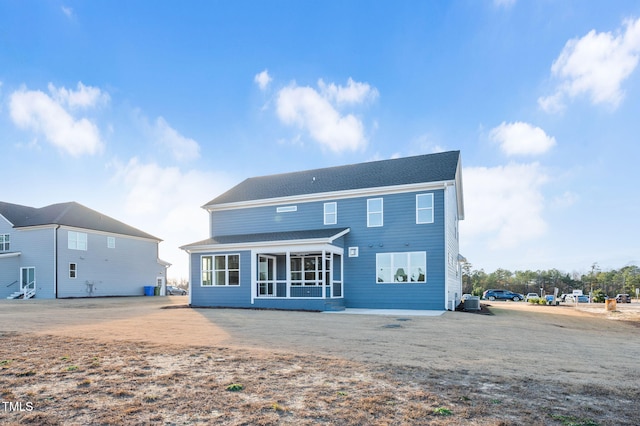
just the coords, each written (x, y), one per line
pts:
(55, 261)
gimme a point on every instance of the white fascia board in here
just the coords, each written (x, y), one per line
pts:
(109, 234)
(271, 246)
(459, 192)
(330, 196)
(7, 220)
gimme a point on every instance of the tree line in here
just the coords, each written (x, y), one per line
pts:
(623, 280)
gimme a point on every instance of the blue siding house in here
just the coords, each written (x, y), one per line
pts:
(68, 250)
(381, 234)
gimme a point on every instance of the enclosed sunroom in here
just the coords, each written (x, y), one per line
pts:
(282, 270)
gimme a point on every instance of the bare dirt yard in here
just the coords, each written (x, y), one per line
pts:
(153, 360)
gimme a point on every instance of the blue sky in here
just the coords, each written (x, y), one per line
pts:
(147, 110)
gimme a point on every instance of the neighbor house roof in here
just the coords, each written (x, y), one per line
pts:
(67, 214)
(438, 167)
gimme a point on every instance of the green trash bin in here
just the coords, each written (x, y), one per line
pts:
(156, 291)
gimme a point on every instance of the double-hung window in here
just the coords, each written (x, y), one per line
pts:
(330, 213)
(73, 270)
(375, 212)
(77, 241)
(424, 208)
(4, 242)
(222, 269)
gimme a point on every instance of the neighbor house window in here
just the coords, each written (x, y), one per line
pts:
(73, 270)
(330, 213)
(77, 240)
(4, 242)
(424, 208)
(407, 267)
(223, 269)
(111, 242)
(374, 212)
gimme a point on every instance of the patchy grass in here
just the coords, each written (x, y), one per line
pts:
(135, 383)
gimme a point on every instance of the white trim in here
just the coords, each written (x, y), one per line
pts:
(271, 244)
(213, 270)
(331, 196)
(432, 208)
(381, 212)
(335, 213)
(10, 254)
(87, 230)
(286, 209)
(6, 220)
(75, 270)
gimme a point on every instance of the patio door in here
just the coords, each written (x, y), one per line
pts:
(266, 276)
(28, 280)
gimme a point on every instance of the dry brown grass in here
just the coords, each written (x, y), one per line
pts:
(82, 381)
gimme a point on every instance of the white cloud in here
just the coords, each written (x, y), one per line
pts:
(166, 202)
(353, 93)
(83, 97)
(182, 148)
(521, 139)
(67, 11)
(263, 79)
(504, 3)
(314, 112)
(504, 205)
(38, 112)
(595, 65)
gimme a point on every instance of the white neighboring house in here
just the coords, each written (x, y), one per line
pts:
(69, 250)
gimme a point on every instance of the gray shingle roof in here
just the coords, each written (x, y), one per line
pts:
(68, 214)
(270, 236)
(401, 171)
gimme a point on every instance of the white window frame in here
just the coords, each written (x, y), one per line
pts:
(77, 241)
(111, 242)
(371, 212)
(331, 217)
(307, 277)
(73, 270)
(413, 273)
(5, 242)
(213, 272)
(424, 209)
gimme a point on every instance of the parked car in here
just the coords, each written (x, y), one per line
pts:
(171, 290)
(531, 296)
(569, 298)
(623, 298)
(502, 295)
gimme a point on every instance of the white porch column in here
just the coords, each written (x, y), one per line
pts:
(323, 277)
(288, 272)
(342, 275)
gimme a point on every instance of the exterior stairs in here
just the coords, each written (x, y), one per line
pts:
(20, 295)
